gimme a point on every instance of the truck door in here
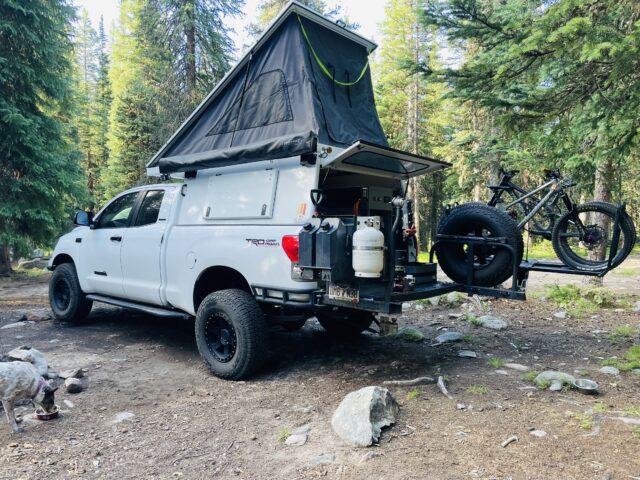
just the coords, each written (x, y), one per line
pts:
(141, 260)
(100, 251)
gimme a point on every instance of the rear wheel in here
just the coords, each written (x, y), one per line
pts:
(67, 300)
(492, 265)
(582, 238)
(231, 334)
(344, 322)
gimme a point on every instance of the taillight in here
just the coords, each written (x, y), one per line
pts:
(291, 246)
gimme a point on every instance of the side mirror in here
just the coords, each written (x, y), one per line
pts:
(83, 219)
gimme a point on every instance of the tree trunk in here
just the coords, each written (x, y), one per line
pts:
(413, 111)
(5, 261)
(190, 56)
(601, 193)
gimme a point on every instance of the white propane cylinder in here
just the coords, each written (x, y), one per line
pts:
(368, 252)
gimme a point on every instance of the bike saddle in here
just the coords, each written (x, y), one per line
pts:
(553, 174)
(509, 173)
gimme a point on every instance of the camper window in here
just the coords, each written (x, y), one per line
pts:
(265, 101)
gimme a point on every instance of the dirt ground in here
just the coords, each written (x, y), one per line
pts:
(181, 422)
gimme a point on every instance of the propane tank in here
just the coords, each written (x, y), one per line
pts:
(368, 248)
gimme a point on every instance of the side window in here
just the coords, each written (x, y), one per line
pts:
(150, 208)
(118, 212)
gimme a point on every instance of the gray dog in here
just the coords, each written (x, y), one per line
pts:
(20, 380)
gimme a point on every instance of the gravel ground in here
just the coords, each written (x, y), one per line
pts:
(150, 409)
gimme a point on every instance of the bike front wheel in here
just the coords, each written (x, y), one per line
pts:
(583, 237)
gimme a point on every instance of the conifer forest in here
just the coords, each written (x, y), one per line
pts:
(482, 84)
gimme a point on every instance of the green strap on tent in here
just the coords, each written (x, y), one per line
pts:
(325, 69)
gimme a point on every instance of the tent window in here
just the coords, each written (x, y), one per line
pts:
(266, 101)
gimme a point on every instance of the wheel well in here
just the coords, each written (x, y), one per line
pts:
(217, 278)
(60, 259)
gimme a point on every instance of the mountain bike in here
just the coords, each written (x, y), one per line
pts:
(582, 235)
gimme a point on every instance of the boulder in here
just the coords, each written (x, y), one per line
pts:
(494, 323)
(73, 385)
(36, 263)
(362, 414)
(609, 370)
(554, 376)
(448, 337)
(410, 334)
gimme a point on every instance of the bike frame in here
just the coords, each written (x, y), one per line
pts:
(556, 189)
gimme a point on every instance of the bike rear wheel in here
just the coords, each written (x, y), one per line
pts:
(582, 238)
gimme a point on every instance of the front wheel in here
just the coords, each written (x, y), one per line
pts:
(231, 334)
(582, 238)
(67, 300)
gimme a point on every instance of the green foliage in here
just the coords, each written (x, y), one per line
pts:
(413, 394)
(284, 434)
(622, 332)
(543, 384)
(543, 85)
(530, 376)
(585, 420)
(478, 390)
(630, 361)
(40, 179)
(599, 407)
(471, 339)
(581, 301)
(496, 362)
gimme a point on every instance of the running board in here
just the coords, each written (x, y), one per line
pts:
(157, 311)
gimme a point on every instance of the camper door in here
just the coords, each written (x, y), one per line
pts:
(367, 158)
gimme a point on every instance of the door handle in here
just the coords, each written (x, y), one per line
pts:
(116, 238)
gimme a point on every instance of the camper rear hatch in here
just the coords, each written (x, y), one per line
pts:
(371, 159)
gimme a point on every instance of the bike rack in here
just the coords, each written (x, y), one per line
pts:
(521, 271)
(556, 267)
(518, 284)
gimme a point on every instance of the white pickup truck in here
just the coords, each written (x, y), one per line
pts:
(290, 205)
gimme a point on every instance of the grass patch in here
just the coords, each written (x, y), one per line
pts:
(635, 433)
(540, 250)
(284, 434)
(478, 390)
(543, 384)
(626, 272)
(496, 362)
(472, 319)
(413, 394)
(530, 376)
(622, 332)
(581, 301)
(472, 339)
(632, 411)
(599, 407)
(630, 360)
(585, 421)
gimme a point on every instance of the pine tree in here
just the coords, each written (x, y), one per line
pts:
(86, 74)
(411, 109)
(100, 111)
(269, 9)
(40, 178)
(167, 54)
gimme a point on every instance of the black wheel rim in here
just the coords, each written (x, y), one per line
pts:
(61, 294)
(220, 337)
(583, 241)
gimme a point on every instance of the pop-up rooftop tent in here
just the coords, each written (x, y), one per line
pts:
(306, 82)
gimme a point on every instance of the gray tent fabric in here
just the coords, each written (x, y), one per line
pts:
(282, 102)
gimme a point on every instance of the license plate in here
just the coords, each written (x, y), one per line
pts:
(348, 294)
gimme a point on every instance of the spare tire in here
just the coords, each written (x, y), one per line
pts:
(492, 265)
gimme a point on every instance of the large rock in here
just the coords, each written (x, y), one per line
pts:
(448, 337)
(73, 385)
(410, 334)
(36, 263)
(494, 323)
(361, 415)
(554, 378)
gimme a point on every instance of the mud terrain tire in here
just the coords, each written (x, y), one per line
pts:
(67, 300)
